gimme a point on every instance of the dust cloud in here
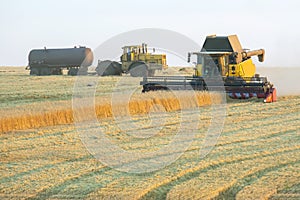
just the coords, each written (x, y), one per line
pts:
(285, 79)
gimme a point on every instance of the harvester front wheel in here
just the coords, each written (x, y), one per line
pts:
(138, 69)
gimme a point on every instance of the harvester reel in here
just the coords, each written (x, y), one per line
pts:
(138, 69)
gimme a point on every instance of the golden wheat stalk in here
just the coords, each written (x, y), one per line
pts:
(139, 105)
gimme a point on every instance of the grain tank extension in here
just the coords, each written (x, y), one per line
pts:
(52, 61)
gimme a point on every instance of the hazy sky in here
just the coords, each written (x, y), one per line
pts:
(269, 24)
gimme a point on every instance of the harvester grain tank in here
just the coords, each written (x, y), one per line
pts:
(53, 61)
(220, 56)
(135, 60)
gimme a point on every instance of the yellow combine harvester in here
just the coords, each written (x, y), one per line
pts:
(221, 58)
(135, 60)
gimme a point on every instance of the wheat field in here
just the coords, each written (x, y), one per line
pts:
(47, 101)
(257, 156)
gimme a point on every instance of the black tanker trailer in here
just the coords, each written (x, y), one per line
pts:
(52, 61)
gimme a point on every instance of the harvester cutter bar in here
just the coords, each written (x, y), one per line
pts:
(201, 83)
(236, 87)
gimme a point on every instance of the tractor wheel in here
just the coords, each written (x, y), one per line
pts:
(34, 72)
(138, 69)
(45, 71)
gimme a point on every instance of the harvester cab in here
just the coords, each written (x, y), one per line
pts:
(220, 56)
(210, 64)
(224, 56)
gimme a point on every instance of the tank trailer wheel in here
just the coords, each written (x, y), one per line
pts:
(57, 71)
(73, 71)
(45, 71)
(34, 72)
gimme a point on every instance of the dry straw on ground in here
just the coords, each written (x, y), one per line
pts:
(139, 104)
(33, 101)
(256, 157)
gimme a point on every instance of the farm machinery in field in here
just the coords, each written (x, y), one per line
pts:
(135, 60)
(43, 62)
(221, 58)
(221, 65)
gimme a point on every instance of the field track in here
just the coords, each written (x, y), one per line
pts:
(256, 157)
(42, 156)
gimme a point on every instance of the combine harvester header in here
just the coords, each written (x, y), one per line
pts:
(220, 56)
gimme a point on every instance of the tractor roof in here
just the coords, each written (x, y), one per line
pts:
(132, 46)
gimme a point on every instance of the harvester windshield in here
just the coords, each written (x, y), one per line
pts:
(211, 64)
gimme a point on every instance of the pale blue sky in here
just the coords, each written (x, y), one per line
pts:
(269, 24)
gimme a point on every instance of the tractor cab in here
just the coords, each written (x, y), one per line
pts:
(137, 61)
(129, 52)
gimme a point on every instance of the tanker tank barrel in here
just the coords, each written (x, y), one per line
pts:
(260, 53)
